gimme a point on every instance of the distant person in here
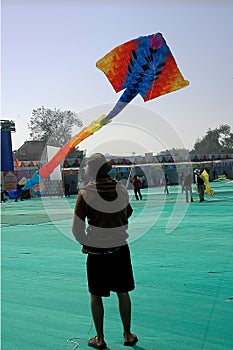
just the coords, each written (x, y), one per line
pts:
(182, 177)
(60, 189)
(104, 204)
(143, 181)
(188, 180)
(166, 183)
(137, 187)
(19, 193)
(4, 195)
(67, 189)
(215, 174)
(200, 184)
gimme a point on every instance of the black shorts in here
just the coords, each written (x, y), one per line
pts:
(110, 272)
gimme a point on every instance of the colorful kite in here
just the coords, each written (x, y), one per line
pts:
(142, 66)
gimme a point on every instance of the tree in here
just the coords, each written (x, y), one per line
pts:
(175, 152)
(219, 140)
(226, 138)
(52, 126)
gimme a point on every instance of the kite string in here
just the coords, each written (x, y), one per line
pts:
(215, 301)
(74, 340)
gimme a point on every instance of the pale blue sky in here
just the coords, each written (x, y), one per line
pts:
(49, 51)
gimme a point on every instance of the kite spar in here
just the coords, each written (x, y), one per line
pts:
(142, 66)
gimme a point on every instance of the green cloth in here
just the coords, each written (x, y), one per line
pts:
(183, 273)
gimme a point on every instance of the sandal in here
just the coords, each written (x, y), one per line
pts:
(93, 342)
(131, 342)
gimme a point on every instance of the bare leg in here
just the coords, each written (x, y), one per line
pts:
(125, 312)
(97, 309)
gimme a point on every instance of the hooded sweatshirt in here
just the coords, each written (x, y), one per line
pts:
(101, 214)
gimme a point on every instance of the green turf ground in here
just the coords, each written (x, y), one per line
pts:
(182, 257)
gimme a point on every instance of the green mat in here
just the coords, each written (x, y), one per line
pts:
(182, 256)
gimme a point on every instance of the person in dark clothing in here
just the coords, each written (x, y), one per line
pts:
(4, 195)
(19, 194)
(137, 187)
(188, 186)
(104, 202)
(166, 183)
(67, 189)
(200, 185)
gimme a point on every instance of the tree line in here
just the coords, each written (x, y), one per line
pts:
(55, 128)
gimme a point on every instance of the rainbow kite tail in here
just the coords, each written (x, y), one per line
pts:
(48, 168)
(123, 101)
(32, 182)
